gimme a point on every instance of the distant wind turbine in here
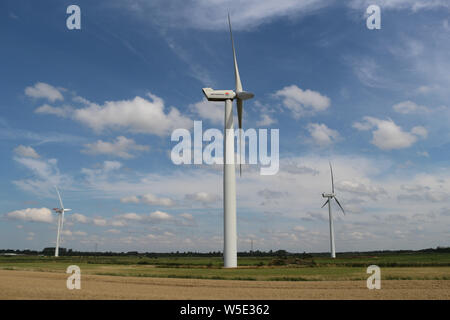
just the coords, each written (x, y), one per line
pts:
(229, 178)
(60, 212)
(329, 197)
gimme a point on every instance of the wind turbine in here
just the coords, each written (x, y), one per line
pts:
(60, 212)
(229, 178)
(329, 197)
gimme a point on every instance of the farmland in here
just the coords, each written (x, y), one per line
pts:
(407, 275)
(414, 266)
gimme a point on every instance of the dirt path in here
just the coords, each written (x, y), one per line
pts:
(46, 285)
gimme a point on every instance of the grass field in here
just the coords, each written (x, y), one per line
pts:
(407, 266)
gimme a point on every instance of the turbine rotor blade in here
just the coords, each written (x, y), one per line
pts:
(337, 201)
(325, 203)
(332, 179)
(236, 70)
(240, 109)
(241, 95)
(59, 196)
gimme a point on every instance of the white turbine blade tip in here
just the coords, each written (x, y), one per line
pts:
(59, 196)
(332, 178)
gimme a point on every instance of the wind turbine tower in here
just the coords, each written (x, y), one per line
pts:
(60, 212)
(329, 197)
(229, 178)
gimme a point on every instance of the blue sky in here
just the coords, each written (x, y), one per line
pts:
(92, 111)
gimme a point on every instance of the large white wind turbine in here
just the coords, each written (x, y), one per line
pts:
(329, 197)
(60, 212)
(229, 179)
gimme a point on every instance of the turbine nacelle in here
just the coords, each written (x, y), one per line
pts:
(328, 195)
(222, 95)
(58, 210)
(218, 95)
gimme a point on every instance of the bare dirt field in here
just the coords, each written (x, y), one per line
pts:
(49, 285)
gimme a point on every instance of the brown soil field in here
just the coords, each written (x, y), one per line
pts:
(50, 285)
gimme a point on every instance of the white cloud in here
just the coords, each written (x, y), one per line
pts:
(265, 121)
(408, 107)
(367, 71)
(420, 131)
(71, 234)
(113, 231)
(248, 14)
(414, 5)
(100, 222)
(149, 199)
(111, 165)
(445, 25)
(63, 112)
(202, 197)
(27, 152)
(159, 215)
(299, 228)
(102, 172)
(187, 216)
(131, 216)
(130, 199)
(211, 15)
(315, 216)
(156, 201)
(302, 102)
(362, 176)
(46, 176)
(361, 189)
(322, 135)
(67, 233)
(32, 214)
(78, 217)
(212, 111)
(121, 147)
(42, 168)
(427, 89)
(196, 71)
(388, 136)
(118, 223)
(138, 116)
(423, 154)
(44, 90)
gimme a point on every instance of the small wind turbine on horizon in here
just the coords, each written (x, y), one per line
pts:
(60, 212)
(329, 197)
(229, 178)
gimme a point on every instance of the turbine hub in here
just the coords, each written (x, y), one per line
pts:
(244, 95)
